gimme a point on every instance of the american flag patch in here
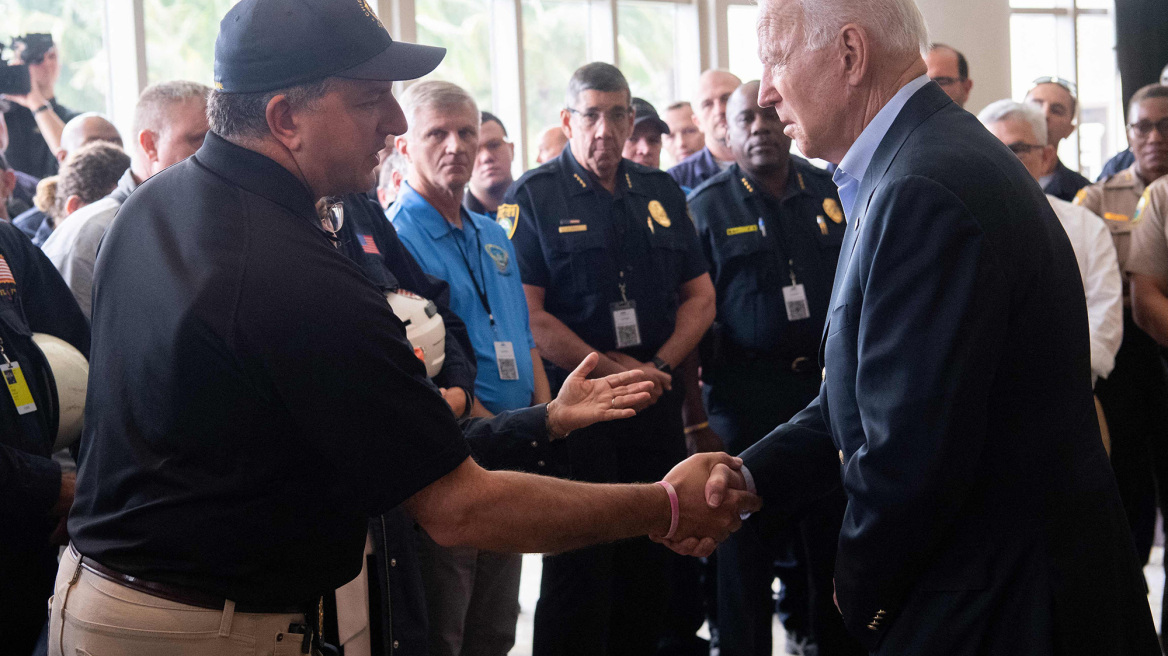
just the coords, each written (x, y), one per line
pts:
(368, 245)
(5, 272)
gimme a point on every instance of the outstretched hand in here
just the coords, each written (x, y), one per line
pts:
(712, 497)
(584, 401)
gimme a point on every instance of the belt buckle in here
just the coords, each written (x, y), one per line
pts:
(799, 364)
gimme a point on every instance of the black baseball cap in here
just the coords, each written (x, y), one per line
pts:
(264, 45)
(646, 112)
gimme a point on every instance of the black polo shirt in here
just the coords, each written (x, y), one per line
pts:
(754, 242)
(574, 239)
(253, 410)
(27, 150)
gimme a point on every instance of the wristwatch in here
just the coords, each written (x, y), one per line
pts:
(661, 365)
(43, 108)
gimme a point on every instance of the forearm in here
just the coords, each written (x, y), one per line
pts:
(51, 127)
(543, 390)
(1150, 306)
(558, 344)
(694, 317)
(514, 512)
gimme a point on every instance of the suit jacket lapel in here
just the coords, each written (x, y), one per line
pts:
(923, 104)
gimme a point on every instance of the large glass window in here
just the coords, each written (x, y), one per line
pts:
(463, 27)
(180, 39)
(645, 41)
(554, 46)
(742, 39)
(76, 26)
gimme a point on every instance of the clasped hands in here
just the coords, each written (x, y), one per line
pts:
(712, 497)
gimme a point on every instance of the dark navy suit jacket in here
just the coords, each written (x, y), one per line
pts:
(956, 412)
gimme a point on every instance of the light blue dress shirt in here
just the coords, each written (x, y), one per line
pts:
(444, 251)
(852, 167)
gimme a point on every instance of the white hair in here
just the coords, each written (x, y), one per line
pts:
(1009, 110)
(897, 25)
(435, 95)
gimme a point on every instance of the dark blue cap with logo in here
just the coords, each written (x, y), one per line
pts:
(265, 45)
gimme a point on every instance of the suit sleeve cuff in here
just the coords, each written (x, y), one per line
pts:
(750, 487)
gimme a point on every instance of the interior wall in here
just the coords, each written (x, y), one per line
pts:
(981, 30)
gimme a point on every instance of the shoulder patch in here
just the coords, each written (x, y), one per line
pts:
(833, 211)
(507, 216)
(1141, 206)
(1080, 197)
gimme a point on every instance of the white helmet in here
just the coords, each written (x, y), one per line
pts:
(70, 380)
(424, 327)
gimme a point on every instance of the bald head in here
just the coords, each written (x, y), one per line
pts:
(714, 89)
(84, 129)
(551, 144)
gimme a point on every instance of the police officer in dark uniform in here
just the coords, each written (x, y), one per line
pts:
(771, 227)
(609, 262)
(34, 494)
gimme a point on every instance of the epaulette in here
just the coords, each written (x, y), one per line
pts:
(719, 178)
(545, 169)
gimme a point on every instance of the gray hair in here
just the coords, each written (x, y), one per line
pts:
(597, 76)
(435, 95)
(394, 161)
(894, 24)
(244, 115)
(1009, 110)
(156, 100)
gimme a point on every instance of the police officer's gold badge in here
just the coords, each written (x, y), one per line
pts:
(658, 213)
(833, 211)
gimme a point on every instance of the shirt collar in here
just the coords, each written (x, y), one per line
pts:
(258, 174)
(796, 185)
(429, 218)
(855, 163)
(581, 179)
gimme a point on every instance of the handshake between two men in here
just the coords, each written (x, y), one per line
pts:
(698, 504)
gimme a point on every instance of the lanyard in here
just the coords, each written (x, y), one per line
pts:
(480, 290)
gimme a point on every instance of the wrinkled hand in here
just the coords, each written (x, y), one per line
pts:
(584, 401)
(712, 496)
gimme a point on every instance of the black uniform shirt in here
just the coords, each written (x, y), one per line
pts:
(574, 239)
(253, 409)
(1065, 183)
(753, 242)
(27, 150)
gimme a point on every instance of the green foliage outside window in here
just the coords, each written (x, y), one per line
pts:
(76, 26)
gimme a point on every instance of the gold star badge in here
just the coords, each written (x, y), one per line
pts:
(658, 213)
(833, 211)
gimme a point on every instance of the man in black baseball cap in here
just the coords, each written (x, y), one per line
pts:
(644, 145)
(260, 401)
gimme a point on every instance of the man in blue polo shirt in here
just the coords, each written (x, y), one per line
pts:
(472, 595)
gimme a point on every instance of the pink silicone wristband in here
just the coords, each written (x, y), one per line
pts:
(674, 512)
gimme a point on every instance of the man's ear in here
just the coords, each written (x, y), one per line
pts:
(282, 123)
(148, 142)
(855, 52)
(73, 204)
(566, 123)
(403, 147)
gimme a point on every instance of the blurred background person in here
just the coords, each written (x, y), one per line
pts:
(684, 137)
(714, 89)
(1125, 158)
(390, 174)
(1058, 100)
(491, 175)
(87, 176)
(35, 120)
(84, 129)
(644, 145)
(950, 70)
(551, 144)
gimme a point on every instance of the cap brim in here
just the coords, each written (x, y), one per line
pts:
(400, 61)
(657, 122)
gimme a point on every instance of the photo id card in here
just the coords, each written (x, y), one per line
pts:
(624, 320)
(795, 299)
(505, 359)
(18, 388)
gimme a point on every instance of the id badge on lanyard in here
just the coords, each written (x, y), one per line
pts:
(624, 321)
(505, 359)
(795, 298)
(16, 384)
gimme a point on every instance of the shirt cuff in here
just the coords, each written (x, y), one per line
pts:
(749, 486)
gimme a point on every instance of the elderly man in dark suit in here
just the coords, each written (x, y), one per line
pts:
(956, 408)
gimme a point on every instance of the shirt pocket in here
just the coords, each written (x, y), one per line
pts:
(580, 262)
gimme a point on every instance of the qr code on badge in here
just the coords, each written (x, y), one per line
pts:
(797, 309)
(627, 336)
(508, 370)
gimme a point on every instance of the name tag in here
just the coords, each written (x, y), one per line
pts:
(1111, 216)
(624, 321)
(505, 359)
(18, 388)
(730, 232)
(573, 228)
(795, 298)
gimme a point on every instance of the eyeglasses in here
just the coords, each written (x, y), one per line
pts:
(591, 117)
(1054, 79)
(946, 81)
(1020, 148)
(1144, 128)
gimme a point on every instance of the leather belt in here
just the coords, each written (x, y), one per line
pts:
(180, 594)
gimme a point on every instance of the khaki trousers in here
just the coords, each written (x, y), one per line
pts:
(92, 616)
